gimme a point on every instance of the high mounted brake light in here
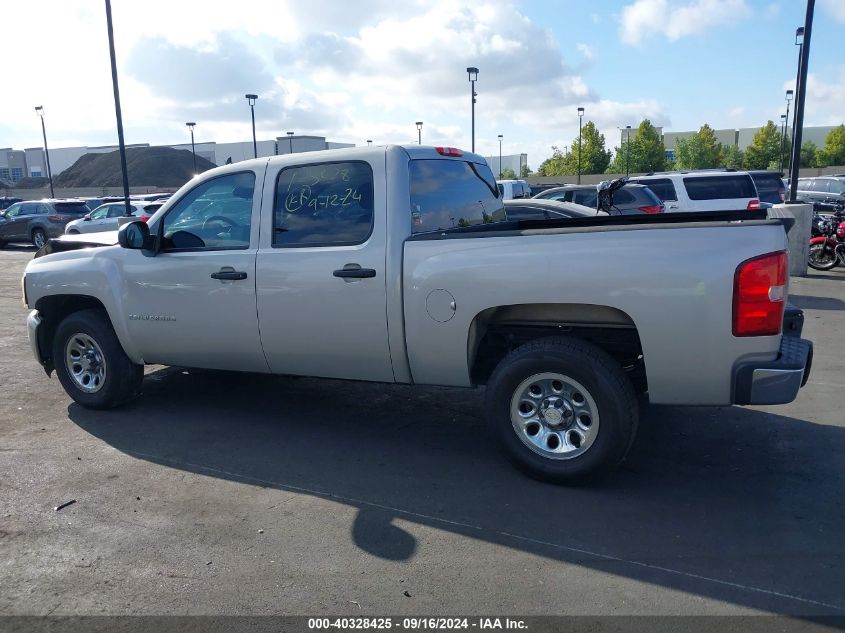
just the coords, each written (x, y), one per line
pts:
(449, 151)
(759, 291)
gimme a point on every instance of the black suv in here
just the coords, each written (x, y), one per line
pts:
(6, 202)
(39, 220)
(770, 186)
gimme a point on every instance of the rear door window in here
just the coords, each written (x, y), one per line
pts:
(447, 194)
(622, 197)
(663, 188)
(587, 197)
(837, 186)
(822, 185)
(719, 187)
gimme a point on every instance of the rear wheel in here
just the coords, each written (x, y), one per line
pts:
(39, 238)
(822, 257)
(91, 364)
(73, 232)
(563, 409)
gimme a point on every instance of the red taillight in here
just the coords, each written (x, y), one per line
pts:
(652, 208)
(753, 205)
(759, 289)
(144, 218)
(449, 151)
(840, 231)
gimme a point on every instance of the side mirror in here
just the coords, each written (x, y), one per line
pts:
(87, 218)
(135, 235)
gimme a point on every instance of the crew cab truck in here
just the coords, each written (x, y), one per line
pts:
(391, 264)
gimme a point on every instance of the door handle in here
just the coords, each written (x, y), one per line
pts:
(229, 274)
(354, 271)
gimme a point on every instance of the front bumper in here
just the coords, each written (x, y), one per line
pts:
(33, 322)
(778, 381)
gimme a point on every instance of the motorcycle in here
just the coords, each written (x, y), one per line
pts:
(827, 246)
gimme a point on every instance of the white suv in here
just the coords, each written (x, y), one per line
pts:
(717, 190)
(512, 189)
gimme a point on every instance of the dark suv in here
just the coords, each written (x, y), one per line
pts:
(6, 202)
(630, 199)
(825, 189)
(770, 186)
(36, 221)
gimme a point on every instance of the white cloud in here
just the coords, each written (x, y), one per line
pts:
(676, 20)
(587, 51)
(825, 98)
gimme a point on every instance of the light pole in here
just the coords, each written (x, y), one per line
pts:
(39, 110)
(500, 155)
(251, 99)
(627, 148)
(191, 125)
(785, 118)
(800, 98)
(472, 73)
(290, 141)
(580, 116)
(782, 135)
(419, 132)
(127, 210)
(799, 42)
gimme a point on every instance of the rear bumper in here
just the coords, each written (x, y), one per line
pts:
(777, 381)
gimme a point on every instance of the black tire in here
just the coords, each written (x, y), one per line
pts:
(814, 257)
(122, 378)
(73, 232)
(606, 384)
(38, 234)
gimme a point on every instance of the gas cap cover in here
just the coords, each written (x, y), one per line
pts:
(440, 305)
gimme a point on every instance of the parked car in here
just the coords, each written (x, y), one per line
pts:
(512, 189)
(770, 186)
(6, 202)
(37, 221)
(152, 197)
(94, 203)
(386, 264)
(632, 198)
(105, 217)
(822, 189)
(533, 209)
(704, 190)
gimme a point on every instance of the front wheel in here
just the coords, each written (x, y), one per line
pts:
(563, 409)
(822, 257)
(91, 364)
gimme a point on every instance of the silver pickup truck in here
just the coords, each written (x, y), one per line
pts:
(398, 264)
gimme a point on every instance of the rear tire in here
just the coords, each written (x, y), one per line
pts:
(563, 410)
(73, 232)
(822, 257)
(39, 238)
(91, 364)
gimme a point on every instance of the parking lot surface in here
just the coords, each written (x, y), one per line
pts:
(218, 492)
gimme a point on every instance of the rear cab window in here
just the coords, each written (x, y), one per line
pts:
(447, 194)
(720, 187)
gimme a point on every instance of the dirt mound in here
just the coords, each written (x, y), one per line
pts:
(147, 167)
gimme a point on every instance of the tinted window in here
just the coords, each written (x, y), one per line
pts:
(451, 193)
(501, 190)
(820, 184)
(622, 197)
(663, 188)
(29, 208)
(100, 213)
(769, 187)
(216, 214)
(71, 208)
(586, 197)
(324, 204)
(719, 187)
(525, 213)
(837, 186)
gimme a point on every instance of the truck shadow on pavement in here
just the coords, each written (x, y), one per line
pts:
(733, 504)
(806, 302)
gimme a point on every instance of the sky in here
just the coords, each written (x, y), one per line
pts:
(369, 69)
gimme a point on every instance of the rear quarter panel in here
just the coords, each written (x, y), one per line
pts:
(675, 283)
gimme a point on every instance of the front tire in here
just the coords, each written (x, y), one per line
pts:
(91, 364)
(563, 410)
(822, 257)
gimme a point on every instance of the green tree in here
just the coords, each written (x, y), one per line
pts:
(764, 151)
(525, 171)
(508, 174)
(732, 156)
(699, 151)
(809, 150)
(834, 148)
(555, 165)
(647, 152)
(594, 157)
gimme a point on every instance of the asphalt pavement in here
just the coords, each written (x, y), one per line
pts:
(219, 492)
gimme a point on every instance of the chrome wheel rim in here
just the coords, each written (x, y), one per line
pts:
(554, 415)
(818, 254)
(38, 239)
(85, 363)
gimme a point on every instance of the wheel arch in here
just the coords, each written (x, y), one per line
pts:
(497, 330)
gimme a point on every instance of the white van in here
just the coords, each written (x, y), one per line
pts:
(512, 189)
(716, 190)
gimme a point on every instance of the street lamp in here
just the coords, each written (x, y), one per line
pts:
(369, 141)
(419, 132)
(39, 110)
(580, 116)
(472, 73)
(290, 141)
(802, 38)
(500, 155)
(191, 125)
(251, 99)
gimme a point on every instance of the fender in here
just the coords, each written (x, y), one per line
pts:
(823, 240)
